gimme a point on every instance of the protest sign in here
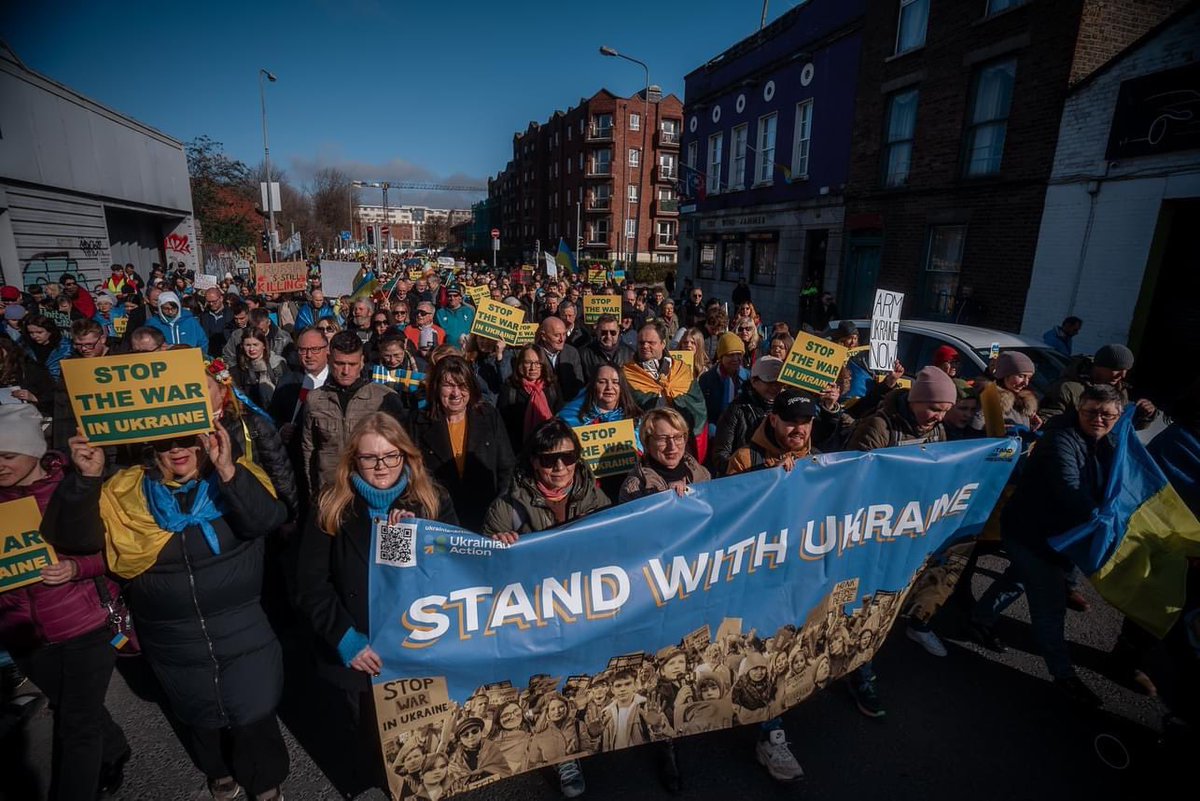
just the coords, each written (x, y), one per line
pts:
(825, 554)
(496, 320)
(526, 333)
(609, 448)
(120, 325)
(478, 293)
(337, 277)
(812, 363)
(597, 275)
(204, 281)
(24, 553)
(685, 356)
(416, 275)
(282, 276)
(885, 329)
(139, 397)
(596, 305)
(618, 275)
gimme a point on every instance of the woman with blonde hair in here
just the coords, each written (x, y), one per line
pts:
(749, 332)
(380, 478)
(693, 342)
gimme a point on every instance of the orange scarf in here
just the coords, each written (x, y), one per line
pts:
(671, 386)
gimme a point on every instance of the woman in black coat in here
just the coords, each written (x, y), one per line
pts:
(381, 477)
(185, 531)
(529, 397)
(463, 441)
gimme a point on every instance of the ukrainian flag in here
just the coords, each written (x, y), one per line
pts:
(1136, 546)
(365, 287)
(565, 259)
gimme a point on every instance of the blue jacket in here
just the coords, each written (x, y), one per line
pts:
(712, 385)
(181, 330)
(305, 318)
(106, 320)
(455, 322)
(1057, 340)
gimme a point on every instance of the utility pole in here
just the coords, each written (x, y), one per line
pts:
(262, 95)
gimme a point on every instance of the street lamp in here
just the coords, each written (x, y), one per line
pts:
(637, 220)
(262, 95)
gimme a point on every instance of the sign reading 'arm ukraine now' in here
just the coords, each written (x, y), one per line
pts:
(139, 397)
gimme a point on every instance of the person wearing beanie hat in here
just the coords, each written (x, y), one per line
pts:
(1011, 363)
(10, 294)
(1014, 372)
(946, 358)
(1111, 366)
(108, 311)
(846, 334)
(739, 422)
(177, 324)
(721, 383)
(20, 433)
(13, 315)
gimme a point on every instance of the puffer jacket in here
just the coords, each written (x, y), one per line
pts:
(198, 615)
(736, 426)
(890, 425)
(331, 414)
(37, 614)
(645, 480)
(523, 509)
(267, 451)
(184, 329)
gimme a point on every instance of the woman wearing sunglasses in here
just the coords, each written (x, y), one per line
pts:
(380, 477)
(185, 530)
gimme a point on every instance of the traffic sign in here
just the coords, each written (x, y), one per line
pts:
(383, 230)
(345, 236)
(495, 233)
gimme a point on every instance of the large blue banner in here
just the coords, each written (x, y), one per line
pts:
(662, 617)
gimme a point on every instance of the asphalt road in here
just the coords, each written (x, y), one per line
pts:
(973, 725)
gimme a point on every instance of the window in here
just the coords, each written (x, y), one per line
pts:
(901, 127)
(803, 138)
(764, 256)
(666, 233)
(732, 263)
(635, 157)
(910, 31)
(991, 99)
(715, 143)
(670, 132)
(602, 125)
(943, 267)
(581, 162)
(568, 134)
(630, 229)
(708, 260)
(602, 162)
(635, 122)
(693, 147)
(598, 231)
(568, 166)
(633, 193)
(764, 163)
(737, 158)
(996, 6)
(666, 165)
(568, 197)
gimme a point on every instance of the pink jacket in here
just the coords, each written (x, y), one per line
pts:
(39, 615)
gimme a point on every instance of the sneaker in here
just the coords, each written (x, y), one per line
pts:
(774, 754)
(1076, 601)
(927, 640)
(986, 636)
(224, 789)
(1075, 691)
(570, 779)
(866, 696)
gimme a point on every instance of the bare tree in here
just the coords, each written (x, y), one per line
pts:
(330, 195)
(436, 232)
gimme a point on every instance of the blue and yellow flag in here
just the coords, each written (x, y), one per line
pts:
(365, 287)
(398, 379)
(565, 259)
(1136, 546)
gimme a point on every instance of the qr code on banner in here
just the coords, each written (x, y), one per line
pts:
(396, 545)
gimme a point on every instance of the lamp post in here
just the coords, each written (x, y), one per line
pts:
(262, 96)
(637, 220)
(384, 185)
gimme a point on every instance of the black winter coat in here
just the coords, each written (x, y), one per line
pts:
(332, 584)
(512, 402)
(737, 424)
(267, 451)
(592, 359)
(198, 615)
(489, 463)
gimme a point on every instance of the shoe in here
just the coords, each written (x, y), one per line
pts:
(985, 636)
(927, 640)
(224, 789)
(668, 769)
(774, 754)
(570, 779)
(1075, 691)
(866, 696)
(1076, 601)
(112, 774)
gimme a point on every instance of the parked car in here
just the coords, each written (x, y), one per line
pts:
(919, 339)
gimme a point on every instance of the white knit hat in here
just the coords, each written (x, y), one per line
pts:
(21, 430)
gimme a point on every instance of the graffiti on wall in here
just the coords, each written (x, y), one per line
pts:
(178, 245)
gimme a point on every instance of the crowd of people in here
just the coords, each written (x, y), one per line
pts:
(335, 413)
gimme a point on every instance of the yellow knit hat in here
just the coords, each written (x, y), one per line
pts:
(730, 343)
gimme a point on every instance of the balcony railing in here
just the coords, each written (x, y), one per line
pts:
(599, 204)
(599, 133)
(668, 139)
(664, 175)
(598, 238)
(595, 170)
(666, 206)
(666, 241)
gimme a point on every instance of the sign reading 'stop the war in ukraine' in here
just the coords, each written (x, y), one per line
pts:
(23, 552)
(140, 396)
(813, 363)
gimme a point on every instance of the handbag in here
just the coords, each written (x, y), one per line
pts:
(120, 621)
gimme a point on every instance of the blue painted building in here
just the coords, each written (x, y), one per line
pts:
(765, 159)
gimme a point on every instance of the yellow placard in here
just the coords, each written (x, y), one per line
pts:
(120, 324)
(24, 552)
(416, 275)
(139, 397)
(685, 356)
(610, 449)
(813, 363)
(478, 293)
(527, 333)
(597, 276)
(496, 320)
(596, 305)
(282, 276)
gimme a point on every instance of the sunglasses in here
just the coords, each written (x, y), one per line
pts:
(548, 461)
(324, 327)
(164, 445)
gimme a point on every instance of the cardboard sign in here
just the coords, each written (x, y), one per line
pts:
(204, 282)
(813, 363)
(282, 276)
(597, 276)
(24, 553)
(337, 277)
(496, 320)
(409, 706)
(685, 356)
(120, 324)
(416, 275)
(596, 305)
(885, 329)
(527, 333)
(478, 293)
(609, 448)
(139, 397)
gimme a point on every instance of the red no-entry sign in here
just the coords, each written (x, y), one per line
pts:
(495, 233)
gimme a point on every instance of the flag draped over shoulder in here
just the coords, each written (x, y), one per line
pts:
(1135, 547)
(565, 259)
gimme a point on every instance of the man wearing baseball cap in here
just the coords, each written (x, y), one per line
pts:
(1110, 365)
(455, 317)
(782, 438)
(742, 418)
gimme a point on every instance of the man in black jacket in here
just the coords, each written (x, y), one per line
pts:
(605, 349)
(214, 320)
(742, 418)
(564, 358)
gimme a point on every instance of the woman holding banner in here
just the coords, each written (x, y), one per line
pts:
(380, 478)
(666, 463)
(185, 531)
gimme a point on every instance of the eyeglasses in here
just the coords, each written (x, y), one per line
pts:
(310, 351)
(324, 327)
(82, 345)
(663, 439)
(379, 322)
(423, 313)
(548, 461)
(607, 332)
(369, 461)
(1096, 414)
(745, 330)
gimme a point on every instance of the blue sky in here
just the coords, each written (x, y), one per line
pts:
(429, 91)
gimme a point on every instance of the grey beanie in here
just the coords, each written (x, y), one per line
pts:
(933, 386)
(1012, 362)
(21, 430)
(1114, 357)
